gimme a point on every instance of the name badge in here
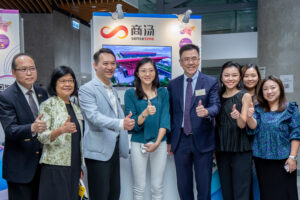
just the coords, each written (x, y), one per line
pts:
(200, 92)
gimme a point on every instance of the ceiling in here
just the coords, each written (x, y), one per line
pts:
(82, 9)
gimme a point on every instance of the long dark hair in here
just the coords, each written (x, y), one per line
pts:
(138, 85)
(249, 66)
(58, 73)
(282, 98)
(227, 65)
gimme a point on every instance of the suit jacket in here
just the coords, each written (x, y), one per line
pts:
(101, 122)
(202, 127)
(55, 113)
(21, 151)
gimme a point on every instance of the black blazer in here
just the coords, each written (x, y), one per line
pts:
(203, 128)
(21, 150)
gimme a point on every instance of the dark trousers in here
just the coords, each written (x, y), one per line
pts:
(186, 155)
(235, 170)
(104, 177)
(274, 182)
(25, 191)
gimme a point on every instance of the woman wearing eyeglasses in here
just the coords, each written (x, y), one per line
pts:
(149, 105)
(62, 153)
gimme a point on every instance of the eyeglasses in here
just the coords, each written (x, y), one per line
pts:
(187, 60)
(63, 81)
(25, 70)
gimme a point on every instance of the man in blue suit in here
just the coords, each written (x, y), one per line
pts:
(194, 102)
(106, 128)
(19, 105)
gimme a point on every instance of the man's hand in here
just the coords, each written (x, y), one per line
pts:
(200, 110)
(38, 126)
(128, 122)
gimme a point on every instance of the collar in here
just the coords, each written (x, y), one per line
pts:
(194, 77)
(104, 85)
(25, 90)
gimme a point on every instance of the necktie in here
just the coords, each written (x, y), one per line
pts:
(32, 104)
(187, 127)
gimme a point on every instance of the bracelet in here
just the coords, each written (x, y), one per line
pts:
(293, 157)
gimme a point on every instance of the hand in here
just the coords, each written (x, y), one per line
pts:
(169, 149)
(151, 147)
(68, 126)
(235, 114)
(38, 126)
(292, 164)
(200, 110)
(151, 110)
(128, 122)
(251, 110)
(81, 174)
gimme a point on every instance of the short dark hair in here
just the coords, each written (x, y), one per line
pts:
(138, 85)
(14, 64)
(58, 73)
(100, 51)
(282, 98)
(227, 65)
(187, 47)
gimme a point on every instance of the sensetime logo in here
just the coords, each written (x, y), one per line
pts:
(121, 32)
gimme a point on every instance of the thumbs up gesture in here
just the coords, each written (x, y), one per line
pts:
(251, 110)
(151, 110)
(39, 125)
(128, 122)
(235, 114)
(68, 126)
(200, 110)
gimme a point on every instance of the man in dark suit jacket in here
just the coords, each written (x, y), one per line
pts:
(18, 114)
(194, 102)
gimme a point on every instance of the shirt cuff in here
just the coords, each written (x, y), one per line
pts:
(33, 134)
(121, 124)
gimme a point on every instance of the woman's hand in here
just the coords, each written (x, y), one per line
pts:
(251, 110)
(68, 126)
(235, 114)
(151, 147)
(151, 110)
(292, 164)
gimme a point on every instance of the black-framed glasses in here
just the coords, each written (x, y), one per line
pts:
(26, 69)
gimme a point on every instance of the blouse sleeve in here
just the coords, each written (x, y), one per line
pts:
(130, 105)
(294, 125)
(165, 112)
(257, 117)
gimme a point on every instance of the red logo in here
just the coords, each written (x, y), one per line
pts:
(114, 32)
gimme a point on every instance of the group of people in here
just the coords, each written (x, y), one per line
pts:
(49, 140)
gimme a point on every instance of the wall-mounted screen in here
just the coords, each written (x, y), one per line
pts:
(128, 57)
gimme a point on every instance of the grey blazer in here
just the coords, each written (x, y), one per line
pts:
(101, 122)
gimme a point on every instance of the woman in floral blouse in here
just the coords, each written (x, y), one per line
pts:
(62, 154)
(276, 126)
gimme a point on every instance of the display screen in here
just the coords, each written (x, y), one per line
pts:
(128, 57)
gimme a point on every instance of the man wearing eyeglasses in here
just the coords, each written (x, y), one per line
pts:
(194, 102)
(19, 105)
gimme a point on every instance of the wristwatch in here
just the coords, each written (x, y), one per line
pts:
(293, 157)
(143, 116)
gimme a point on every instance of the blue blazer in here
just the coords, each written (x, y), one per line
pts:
(21, 151)
(101, 122)
(202, 128)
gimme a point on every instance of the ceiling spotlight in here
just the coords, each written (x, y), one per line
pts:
(119, 14)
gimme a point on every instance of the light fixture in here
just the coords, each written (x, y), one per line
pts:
(119, 14)
(185, 17)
